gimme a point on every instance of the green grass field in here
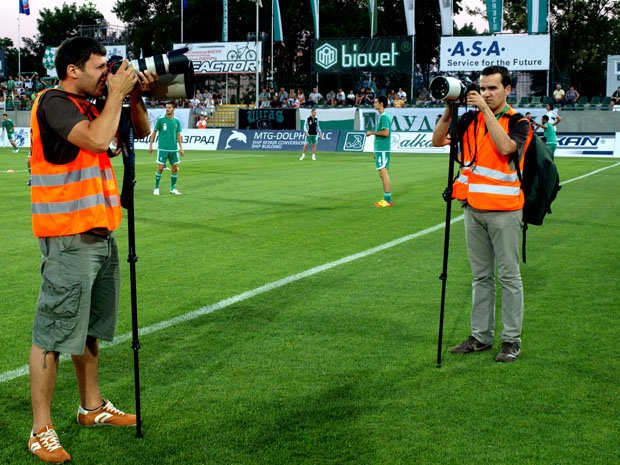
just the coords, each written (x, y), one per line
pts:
(321, 356)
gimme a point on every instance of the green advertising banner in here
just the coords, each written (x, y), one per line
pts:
(354, 55)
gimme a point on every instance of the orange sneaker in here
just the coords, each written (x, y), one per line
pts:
(46, 446)
(383, 204)
(107, 414)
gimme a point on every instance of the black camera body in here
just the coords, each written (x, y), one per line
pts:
(174, 70)
(451, 89)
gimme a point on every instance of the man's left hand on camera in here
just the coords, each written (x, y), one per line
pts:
(146, 82)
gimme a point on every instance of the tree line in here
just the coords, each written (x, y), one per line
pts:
(583, 32)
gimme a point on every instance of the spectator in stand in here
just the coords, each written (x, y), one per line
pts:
(301, 97)
(572, 97)
(391, 97)
(2, 103)
(398, 102)
(341, 98)
(330, 98)
(351, 98)
(19, 85)
(373, 85)
(315, 97)
(28, 85)
(210, 105)
(424, 98)
(202, 121)
(402, 94)
(282, 96)
(195, 101)
(275, 102)
(10, 84)
(264, 97)
(369, 98)
(361, 96)
(558, 95)
(615, 98)
(293, 101)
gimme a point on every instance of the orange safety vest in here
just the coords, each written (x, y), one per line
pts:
(489, 183)
(75, 197)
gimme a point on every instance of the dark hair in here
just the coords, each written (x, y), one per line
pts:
(545, 117)
(76, 51)
(4, 114)
(496, 69)
(383, 100)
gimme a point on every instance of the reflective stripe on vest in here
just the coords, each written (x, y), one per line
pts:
(74, 197)
(491, 183)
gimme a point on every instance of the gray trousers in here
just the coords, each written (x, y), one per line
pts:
(493, 243)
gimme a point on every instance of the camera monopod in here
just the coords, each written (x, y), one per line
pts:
(126, 143)
(447, 196)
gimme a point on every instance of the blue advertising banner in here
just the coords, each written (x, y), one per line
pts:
(292, 141)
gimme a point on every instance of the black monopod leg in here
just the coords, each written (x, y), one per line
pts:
(447, 196)
(126, 141)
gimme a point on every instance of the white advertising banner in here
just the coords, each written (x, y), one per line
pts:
(193, 139)
(514, 51)
(418, 119)
(224, 57)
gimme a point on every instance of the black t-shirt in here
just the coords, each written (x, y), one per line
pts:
(57, 116)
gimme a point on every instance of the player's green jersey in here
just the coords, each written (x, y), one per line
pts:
(9, 126)
(382, 144)
(550, 133)
(167, 130)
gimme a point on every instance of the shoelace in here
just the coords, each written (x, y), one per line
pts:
(49, 439)
(110, 408)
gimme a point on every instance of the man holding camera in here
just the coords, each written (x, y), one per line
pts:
(75, 209)
(491, 195)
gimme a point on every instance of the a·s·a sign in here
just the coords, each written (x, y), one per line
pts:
(353, 55)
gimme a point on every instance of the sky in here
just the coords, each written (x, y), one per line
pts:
(9, 11)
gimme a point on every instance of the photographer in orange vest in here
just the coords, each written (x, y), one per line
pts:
(492, 199)
(75, 209)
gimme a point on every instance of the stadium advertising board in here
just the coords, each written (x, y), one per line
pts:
(268, 118)
(354, 55)
(417, 119)
(193, 139)
(292, 141)
(224, 57)
(584, 145)
(516, 52)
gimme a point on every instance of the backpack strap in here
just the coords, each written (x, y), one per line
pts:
(515, 159)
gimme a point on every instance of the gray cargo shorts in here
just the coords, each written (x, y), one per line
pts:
(79, 294)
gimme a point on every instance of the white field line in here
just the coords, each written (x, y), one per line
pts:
(23, 370)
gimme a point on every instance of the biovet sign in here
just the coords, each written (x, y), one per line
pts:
(346, 55)
(514, 51)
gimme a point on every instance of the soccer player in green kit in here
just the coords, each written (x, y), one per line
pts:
(383, 139)
(9, 127)
(169, 129)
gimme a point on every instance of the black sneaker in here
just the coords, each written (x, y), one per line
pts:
(509, 353)
(470, 345)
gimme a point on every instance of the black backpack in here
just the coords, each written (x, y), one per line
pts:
(540, 182)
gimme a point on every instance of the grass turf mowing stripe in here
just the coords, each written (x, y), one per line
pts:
(23, 370)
